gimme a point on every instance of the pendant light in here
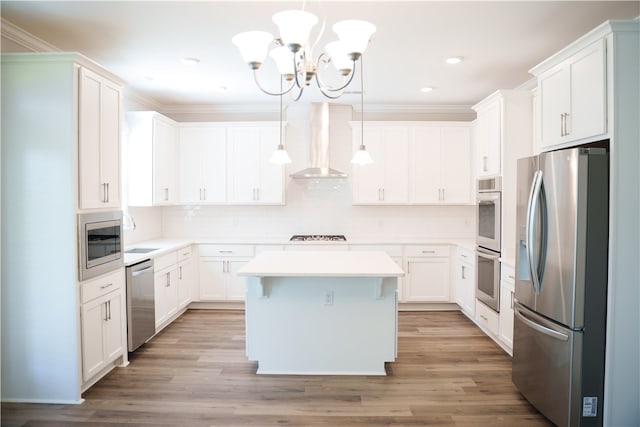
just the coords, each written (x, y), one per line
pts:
(361, 157)
(280, 156)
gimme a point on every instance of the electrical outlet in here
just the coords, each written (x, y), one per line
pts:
(328, 297)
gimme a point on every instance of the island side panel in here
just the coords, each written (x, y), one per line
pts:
(293, 329)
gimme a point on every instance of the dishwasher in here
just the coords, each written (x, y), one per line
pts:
(141, 312)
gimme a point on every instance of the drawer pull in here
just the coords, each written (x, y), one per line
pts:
(484, 318)
(225, 252)
(428, 252)
(106, 286)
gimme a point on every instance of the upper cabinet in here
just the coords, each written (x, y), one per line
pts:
(416, 163)
(251, 178)
(440, 164)
(202, 170)
(99, 118)
(572, 97)
(385, 181)
(488, 137)
(152, 159)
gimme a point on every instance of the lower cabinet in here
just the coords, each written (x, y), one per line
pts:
(218, 267)
(102, 323)
(173, 282)
(487, 319)
(507, 286)
(465, 281)
(427, 276)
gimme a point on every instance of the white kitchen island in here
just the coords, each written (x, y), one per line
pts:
(321, 313)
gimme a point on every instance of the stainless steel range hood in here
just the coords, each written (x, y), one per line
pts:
(319, 149)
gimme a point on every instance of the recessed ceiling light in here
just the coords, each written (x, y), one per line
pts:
(426, 89)
(454, 60)
(191, 62)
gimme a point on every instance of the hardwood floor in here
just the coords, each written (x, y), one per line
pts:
(195, 373)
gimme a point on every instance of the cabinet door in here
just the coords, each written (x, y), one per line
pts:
(202, 164)
(113, 327)
(166, 296)
(465, 288)
(488, 140)
(271, 178)
(185, 283)
(164, 163)
(92, 191)
(243, 145)
(386, 180)
(236, 285)
(427, 280)
(212, 279)
(506, 312)
(588, 89)
(110, 143)
(554, 99)
(93, 316)
(426, 165)
(456, 165)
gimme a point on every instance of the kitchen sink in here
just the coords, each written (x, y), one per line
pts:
(140, 250)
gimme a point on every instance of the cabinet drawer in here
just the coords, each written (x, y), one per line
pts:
(184, 253)
(101, 286)
(227, 250)
(164, 261)
(426, 250)
(487, 318)
(466, 256)
(391, 250)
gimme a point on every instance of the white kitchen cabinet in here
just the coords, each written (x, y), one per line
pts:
(572, 97)
(427, 274)
(440, 169)
(152, 159)
(465, 281)
(202, 170)
(218, 267)
(507, 285)
(488, 139)
(487, 319)
(99, 114)
(186, 277)
(251, 178)
(386, 180)
(166, 296)
(102, 323)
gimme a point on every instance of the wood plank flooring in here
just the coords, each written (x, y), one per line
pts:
(195, 373)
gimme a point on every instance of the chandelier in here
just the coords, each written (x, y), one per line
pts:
(292, 52)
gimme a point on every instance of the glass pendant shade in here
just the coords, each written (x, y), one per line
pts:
(253, 46)
(282, 56)
(295, 27)
(339, 57)
(355, 34)
(280, 156)
(362, 157)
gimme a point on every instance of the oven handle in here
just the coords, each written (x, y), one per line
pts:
(487, 254)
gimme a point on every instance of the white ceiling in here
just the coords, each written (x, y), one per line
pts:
(143, 43)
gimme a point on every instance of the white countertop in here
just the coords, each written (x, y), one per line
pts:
(321, 264)
(161, 246)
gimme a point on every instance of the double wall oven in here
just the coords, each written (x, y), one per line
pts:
(488, 220)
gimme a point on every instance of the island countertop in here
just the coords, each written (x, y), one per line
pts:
(321, 264)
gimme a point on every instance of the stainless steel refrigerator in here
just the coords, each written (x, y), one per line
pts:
(561, 283)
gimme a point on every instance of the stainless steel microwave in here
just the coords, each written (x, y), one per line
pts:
(99, 243)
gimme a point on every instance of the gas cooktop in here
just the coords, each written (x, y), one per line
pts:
(318, 238)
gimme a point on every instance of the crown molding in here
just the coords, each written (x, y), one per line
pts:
(414, 108)
(220, 109)
(25, 39)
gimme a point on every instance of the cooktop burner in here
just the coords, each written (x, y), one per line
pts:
(318, 238)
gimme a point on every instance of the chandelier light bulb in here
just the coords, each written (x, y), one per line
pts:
(284, 62)
(355, 35)
(253, 46)
(295, 27)
(339, 57)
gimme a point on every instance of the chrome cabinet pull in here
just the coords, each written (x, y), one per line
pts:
(204, 193)
(225, 252)
(168, 279)
(166, 194)
(106, 286)
(180, 273)
(108, 198)
(428, 252)
(463, 272)
(106, 312)
(485, 168)
(511, 302)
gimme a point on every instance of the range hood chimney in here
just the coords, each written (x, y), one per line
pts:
(319, 149)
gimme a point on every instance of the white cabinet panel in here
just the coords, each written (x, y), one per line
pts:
(427, 274)
(202, 152)
(99, 141)
(507, 285)
(164, 163)
(573, 98)
(465, 278)
(488, 137)
(386, 180)
(218, 267)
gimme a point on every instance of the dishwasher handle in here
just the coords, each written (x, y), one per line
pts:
(137, 273)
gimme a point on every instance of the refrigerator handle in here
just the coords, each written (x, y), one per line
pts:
(538, 327)
(529, 235)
